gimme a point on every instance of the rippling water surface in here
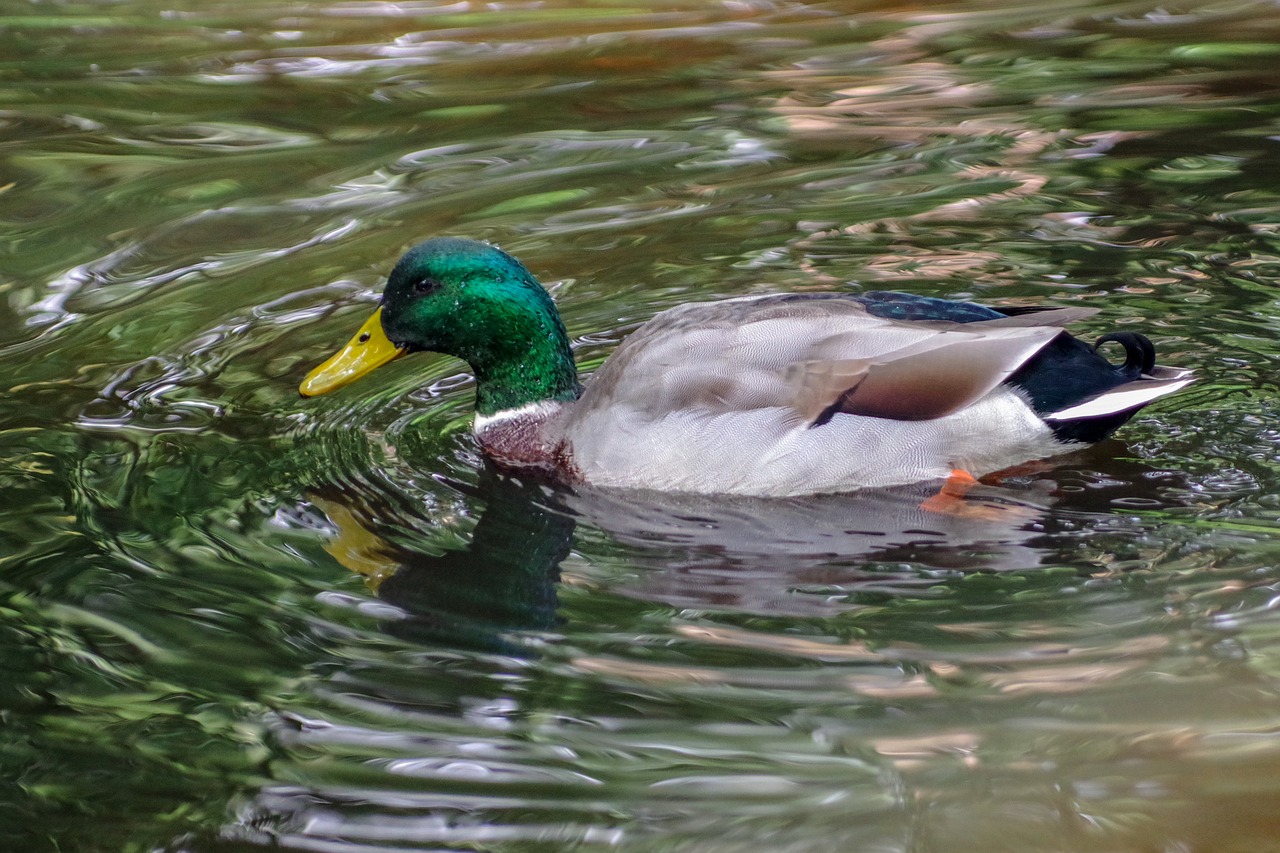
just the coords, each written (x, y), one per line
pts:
(236, 620)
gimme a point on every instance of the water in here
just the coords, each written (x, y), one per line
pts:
(236, 620)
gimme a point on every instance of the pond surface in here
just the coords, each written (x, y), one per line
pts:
(236, 620)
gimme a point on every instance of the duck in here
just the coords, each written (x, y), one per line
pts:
(782, 394)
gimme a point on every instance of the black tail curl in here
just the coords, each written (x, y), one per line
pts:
(1069, 371)
(1139, 352)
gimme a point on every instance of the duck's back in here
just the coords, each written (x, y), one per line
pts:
(801, 393)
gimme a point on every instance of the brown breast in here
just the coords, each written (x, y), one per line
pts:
(522, 443)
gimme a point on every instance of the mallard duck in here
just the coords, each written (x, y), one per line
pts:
(782, 394)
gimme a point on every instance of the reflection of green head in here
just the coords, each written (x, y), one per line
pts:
(473, 301)
(503, 582)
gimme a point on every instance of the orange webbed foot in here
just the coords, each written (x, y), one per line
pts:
(952, 499)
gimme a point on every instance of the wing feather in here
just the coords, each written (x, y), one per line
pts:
(818, 355)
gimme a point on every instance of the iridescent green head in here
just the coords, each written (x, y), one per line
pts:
(473, 301)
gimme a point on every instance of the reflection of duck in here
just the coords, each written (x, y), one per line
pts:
(773, 395)
(800, 555)
(503, 581)
(823, 554)
(703, 551)
(804, 555)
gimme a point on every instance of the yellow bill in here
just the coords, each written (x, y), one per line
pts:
(368, 350)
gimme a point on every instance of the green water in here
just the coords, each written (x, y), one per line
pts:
(235, 620)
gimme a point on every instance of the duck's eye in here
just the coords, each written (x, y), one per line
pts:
(425, 285)
(364, 339)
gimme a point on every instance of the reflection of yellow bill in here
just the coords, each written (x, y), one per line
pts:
(356, 547)
(368, 350)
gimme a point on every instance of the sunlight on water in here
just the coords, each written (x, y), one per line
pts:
(238, 620)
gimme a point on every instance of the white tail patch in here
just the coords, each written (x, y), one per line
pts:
(1122, 398)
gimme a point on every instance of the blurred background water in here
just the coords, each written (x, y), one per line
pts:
(235, 620)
